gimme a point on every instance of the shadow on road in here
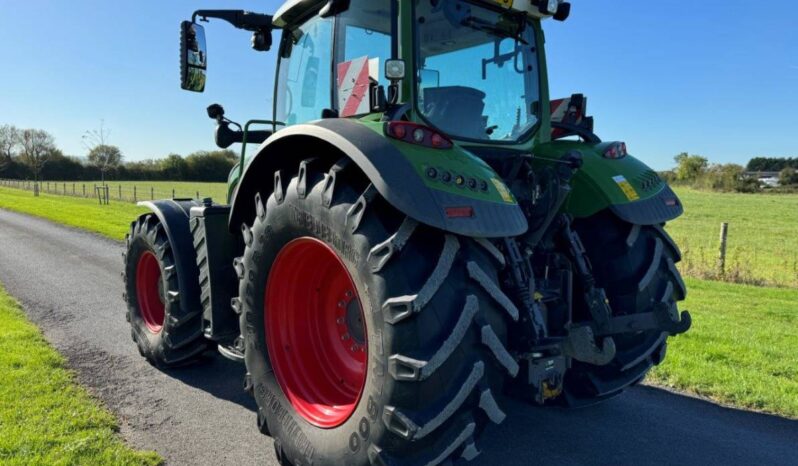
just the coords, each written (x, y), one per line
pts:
(219, 377)
(643, 426)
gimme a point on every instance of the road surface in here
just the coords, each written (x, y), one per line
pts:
(69, 282)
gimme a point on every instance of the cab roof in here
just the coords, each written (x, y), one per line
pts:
(293, 10)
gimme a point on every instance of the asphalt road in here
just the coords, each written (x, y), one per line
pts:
(69, 282)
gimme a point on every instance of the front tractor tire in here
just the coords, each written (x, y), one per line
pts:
(635, 264)
(166, 333)
(370, 339)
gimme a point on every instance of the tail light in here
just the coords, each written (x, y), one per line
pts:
(615, 151)
(420, 135)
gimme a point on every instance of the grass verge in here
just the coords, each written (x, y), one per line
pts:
(45, 417)
(742, 349)
(111, 220)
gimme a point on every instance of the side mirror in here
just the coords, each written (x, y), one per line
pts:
(193, 57)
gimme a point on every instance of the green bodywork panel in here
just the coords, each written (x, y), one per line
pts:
(601, 182)
(457, 161)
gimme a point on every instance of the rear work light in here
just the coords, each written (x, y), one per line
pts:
(615, 151)
(421, 135)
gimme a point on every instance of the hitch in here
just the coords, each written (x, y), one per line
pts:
(663, 317)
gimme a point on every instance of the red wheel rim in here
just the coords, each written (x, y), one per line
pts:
(148, 291)
(315, 332)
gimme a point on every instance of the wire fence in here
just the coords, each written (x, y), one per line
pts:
(133, 192)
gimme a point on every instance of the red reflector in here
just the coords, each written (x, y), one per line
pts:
(459, 212)
(415, 133)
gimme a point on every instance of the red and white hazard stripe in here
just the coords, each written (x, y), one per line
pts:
(353, 87)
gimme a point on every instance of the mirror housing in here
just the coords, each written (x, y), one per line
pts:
(193, 57)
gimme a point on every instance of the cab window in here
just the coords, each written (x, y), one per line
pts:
(363, 42)
(305, 76)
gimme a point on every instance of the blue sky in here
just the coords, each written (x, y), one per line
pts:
(715, 77)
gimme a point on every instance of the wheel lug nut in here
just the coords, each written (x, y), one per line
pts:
(348, 294)
(345, 336)
(340, 320)
(353, 348)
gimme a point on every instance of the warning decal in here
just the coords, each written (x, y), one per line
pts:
(503, 191)
(626, 187)
(353, 86)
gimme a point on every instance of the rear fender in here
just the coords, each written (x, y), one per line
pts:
(627, 186)
(400, 172)
(174, 216)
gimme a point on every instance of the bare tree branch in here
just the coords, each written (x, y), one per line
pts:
(37, 146)
(9, 140)
(101, 154)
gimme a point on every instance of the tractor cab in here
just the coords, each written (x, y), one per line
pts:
(473, 71)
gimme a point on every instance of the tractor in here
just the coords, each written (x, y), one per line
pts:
(418, 234)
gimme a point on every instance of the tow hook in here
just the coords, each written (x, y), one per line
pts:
(581, 345)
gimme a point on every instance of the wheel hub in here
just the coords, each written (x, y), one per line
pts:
(149, 292)
(315, 332)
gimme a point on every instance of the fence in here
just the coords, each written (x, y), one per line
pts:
(121, 192)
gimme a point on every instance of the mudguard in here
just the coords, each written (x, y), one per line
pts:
(626, 186)
(409, 177)
(174, 216)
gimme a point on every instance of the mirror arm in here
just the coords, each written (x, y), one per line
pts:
(241, 19)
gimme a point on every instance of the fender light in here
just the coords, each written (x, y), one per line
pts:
(420, 135)
(615, 151)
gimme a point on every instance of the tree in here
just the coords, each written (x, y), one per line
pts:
(105, 157)
(788, 177)
(37, 146)
(101, 154)
(9, 140)
(211, 166)
(174, 168)
(690, 167)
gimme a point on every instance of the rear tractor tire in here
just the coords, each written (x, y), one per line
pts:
(166, 333)
(635, 264)
(370, 339)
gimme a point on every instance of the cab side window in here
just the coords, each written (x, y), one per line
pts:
(365, 31)
(305, 77)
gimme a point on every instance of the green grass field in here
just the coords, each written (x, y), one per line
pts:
(742, 349)
(763, 236)
(111, 220)
(45, 417)
(144, 190)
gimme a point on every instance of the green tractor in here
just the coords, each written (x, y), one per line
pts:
(421, 232)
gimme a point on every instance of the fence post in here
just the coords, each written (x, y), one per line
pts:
(152, 193)
(197, 194)
(724, 234)
(134, 193)
(120, 192)
(173, 193)
(73, 189)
